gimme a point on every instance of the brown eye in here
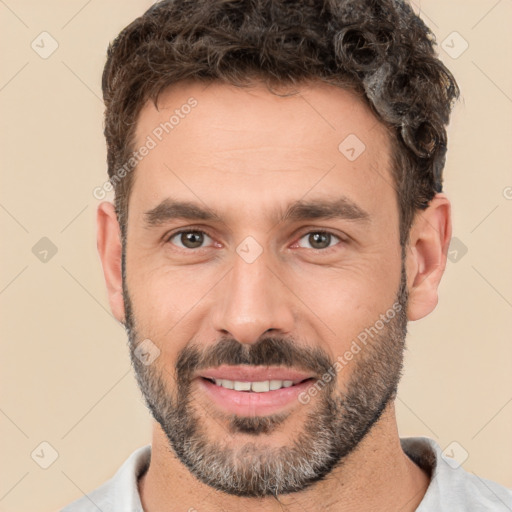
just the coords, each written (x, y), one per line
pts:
(319, 239)
(189, 239)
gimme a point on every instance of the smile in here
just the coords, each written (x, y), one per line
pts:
(252, 391)
(262, 386)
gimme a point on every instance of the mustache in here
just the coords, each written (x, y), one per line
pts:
(268, 351)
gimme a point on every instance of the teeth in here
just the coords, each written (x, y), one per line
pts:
(227, 384)
(242, 386)
(257, 387)
(260, 387)
(276, 384)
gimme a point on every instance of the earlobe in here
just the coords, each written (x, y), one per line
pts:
(426, 256)
(110, 250)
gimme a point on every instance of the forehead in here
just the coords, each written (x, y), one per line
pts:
(254, 148)
(254, 113)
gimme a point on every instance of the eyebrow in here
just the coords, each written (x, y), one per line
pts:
(302, 210)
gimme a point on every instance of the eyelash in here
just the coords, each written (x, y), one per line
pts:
(315, 231)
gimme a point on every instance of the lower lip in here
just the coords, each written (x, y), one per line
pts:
(250, 403)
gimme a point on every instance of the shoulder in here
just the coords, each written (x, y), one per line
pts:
(452, 488)
(120, 493)
(99, 499)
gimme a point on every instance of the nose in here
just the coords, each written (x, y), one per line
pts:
(253, 300)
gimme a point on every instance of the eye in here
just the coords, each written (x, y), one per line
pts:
(319, 240)
(189, 239)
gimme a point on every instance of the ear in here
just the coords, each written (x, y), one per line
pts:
(427, 252)
(109, 248)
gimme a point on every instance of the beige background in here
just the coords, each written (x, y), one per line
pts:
(65, 372)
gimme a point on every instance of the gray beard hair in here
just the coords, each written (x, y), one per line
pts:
(335, 424)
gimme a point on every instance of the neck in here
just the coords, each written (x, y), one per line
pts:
(377, 475)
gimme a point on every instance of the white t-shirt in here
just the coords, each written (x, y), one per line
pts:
(451, 489)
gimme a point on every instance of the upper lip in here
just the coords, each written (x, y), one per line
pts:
(254, 373)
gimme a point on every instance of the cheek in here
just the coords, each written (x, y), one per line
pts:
(340, 303)
(352, 294)
(164, 302)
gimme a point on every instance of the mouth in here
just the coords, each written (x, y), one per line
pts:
(253, 391)
(261, 386)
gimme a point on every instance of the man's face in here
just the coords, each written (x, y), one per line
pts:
(268, 289)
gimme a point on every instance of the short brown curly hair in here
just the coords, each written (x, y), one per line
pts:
(378, 48)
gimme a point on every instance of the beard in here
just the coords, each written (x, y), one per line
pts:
(336, 421)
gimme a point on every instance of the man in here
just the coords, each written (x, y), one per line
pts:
(278, 220)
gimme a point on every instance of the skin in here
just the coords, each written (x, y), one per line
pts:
(246, 154)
